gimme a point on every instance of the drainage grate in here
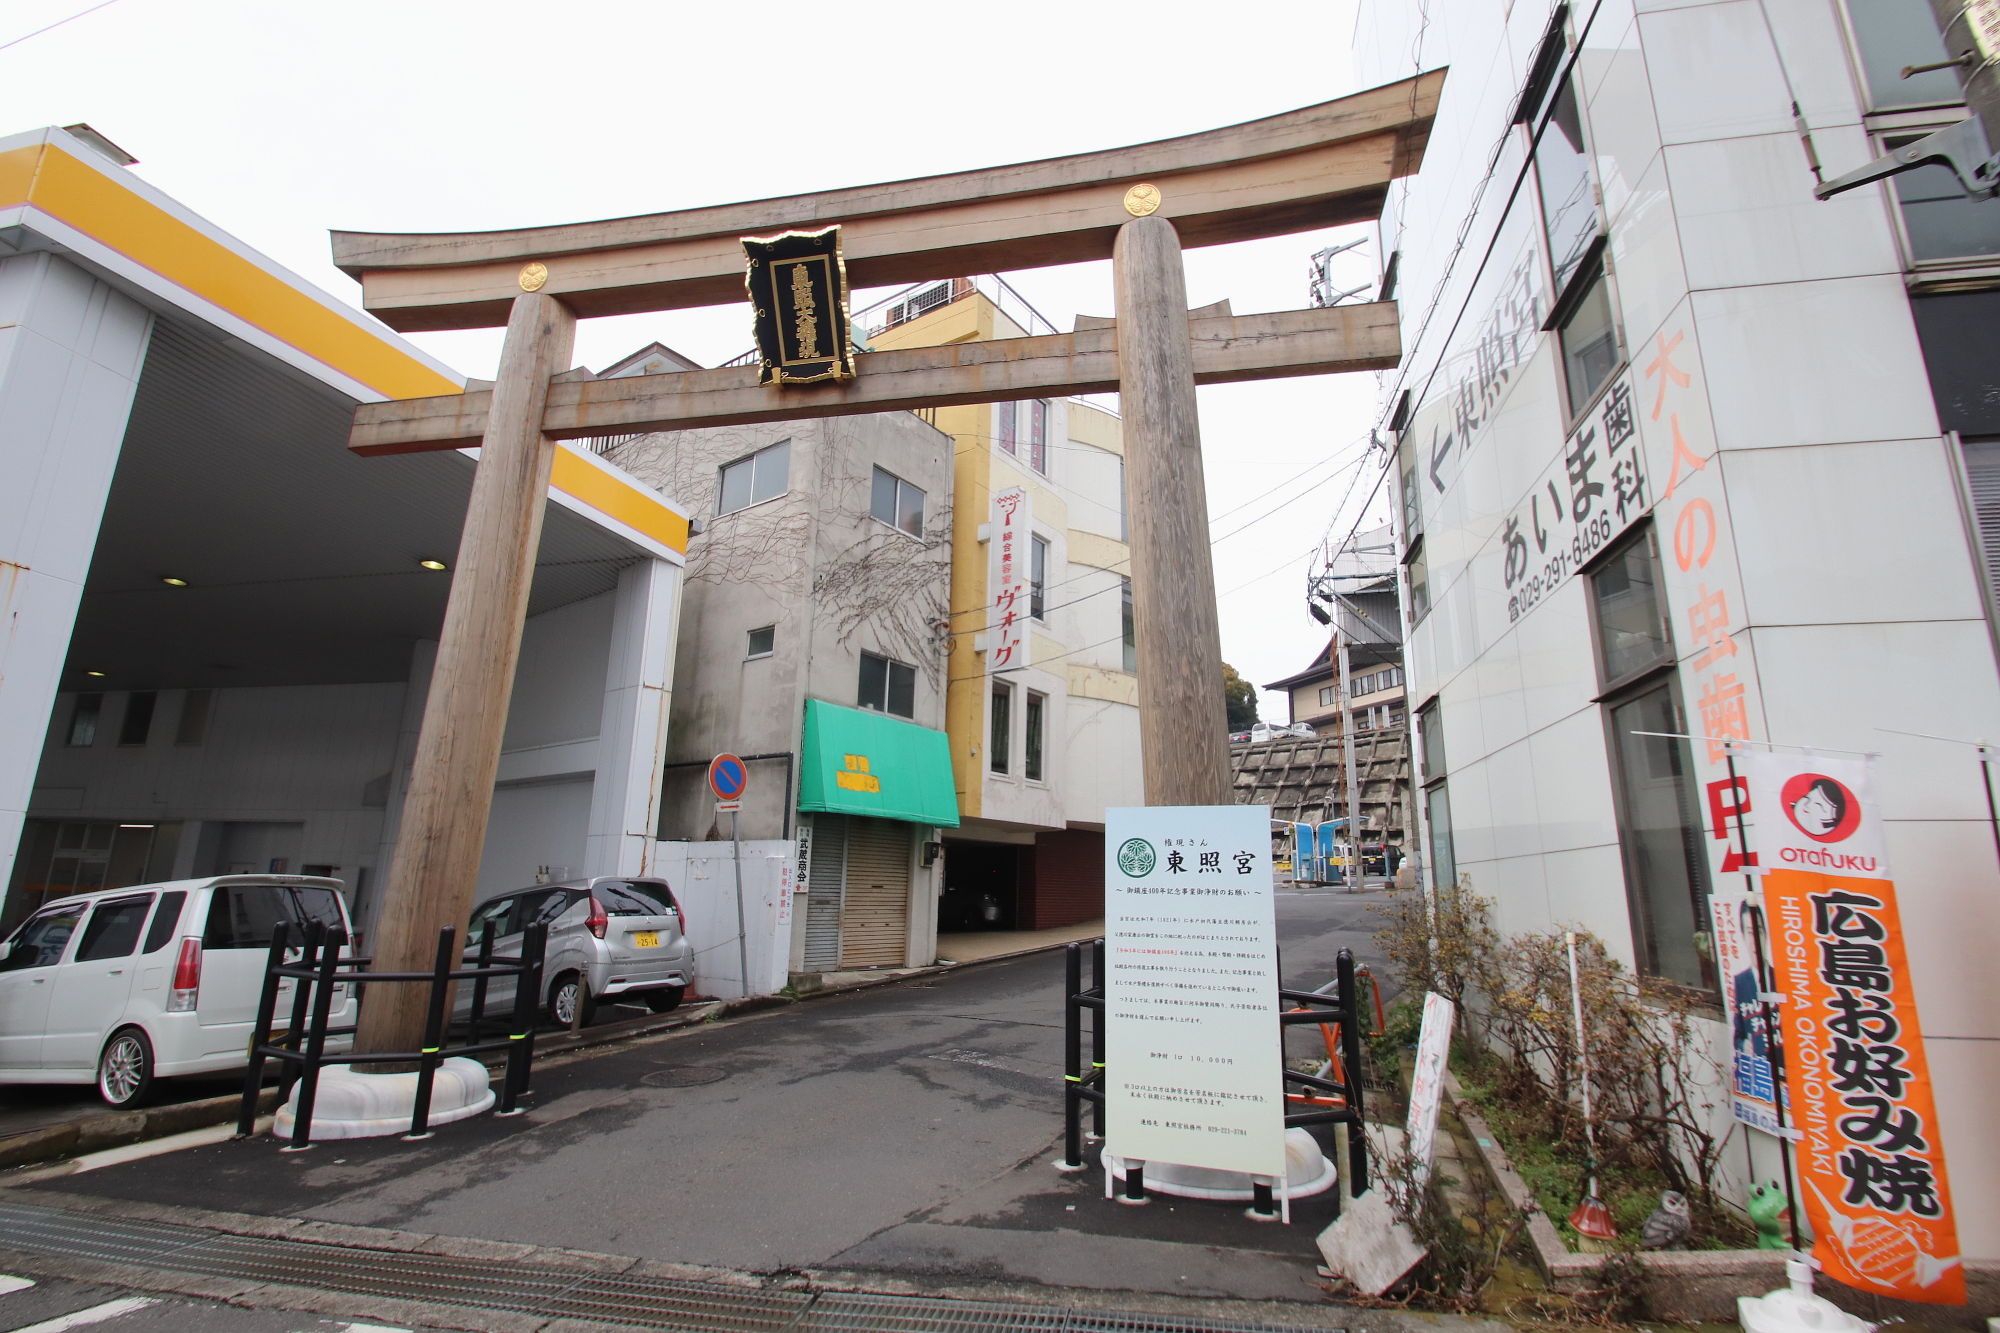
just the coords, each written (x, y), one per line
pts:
(615, 1298)
(913, 1314)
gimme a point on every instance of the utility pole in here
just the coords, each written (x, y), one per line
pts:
(1345, 696)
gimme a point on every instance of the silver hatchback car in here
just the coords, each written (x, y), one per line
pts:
(609, 937)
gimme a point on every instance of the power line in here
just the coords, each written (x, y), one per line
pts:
(102, 4)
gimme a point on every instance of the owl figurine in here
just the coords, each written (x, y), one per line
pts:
(1669, 1223)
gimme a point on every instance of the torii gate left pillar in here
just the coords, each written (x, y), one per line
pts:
(1183, 723)
(450, 795)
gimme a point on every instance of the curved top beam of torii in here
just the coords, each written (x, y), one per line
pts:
(1315, 167)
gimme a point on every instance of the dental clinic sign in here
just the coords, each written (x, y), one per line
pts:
(1194, 1065)
(1871, 1156)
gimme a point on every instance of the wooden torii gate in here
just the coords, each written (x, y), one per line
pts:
(1320, 166)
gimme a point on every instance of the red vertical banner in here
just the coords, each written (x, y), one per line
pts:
(1870, 1155)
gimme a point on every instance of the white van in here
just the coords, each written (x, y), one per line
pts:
(123, 986)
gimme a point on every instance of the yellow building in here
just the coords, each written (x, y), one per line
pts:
(1041, 700)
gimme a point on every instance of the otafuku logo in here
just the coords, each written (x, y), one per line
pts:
(1822, 808)
(1136, 857)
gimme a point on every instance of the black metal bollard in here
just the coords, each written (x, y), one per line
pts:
(1350, 1055)
(535, 949)
(1135, 1182)
(1097, 1037)
(326, 953)
(1072, 1059)
(521, 1035)
(427, 1059)
(1263, 1203)
(260, 1032)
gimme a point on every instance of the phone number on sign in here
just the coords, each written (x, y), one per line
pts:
(1589, 540)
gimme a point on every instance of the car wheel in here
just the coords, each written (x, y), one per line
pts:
(665, 998)
(125, 1068)
(564, 997)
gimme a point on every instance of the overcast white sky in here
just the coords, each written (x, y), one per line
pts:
(279, 121)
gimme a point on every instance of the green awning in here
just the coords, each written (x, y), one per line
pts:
(860, 762)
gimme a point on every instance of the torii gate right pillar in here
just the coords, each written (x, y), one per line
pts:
(1183, 724)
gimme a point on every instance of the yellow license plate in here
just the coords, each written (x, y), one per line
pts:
(646, 939)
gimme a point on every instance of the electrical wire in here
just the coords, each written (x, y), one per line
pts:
(81, 13)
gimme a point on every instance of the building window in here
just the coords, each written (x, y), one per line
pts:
(1943, 228)
(1589, 338)
(1417, 575)
(762, 641)
(1001, 731)
(1940, 220)
(1031, 758)
(1006, 424)
(192, 729)
(1124, 532)
(1326, 696)
(887, 686)
(1659, 829)
(1891, 36)
(1665, 866)
(138, 723)
(1038, 435)
(897, 503)
(764, 475)
(1437, 804)
(1038, 575)
(1562, 174)
(1129, 624)
(83, 719)
(1632, 631)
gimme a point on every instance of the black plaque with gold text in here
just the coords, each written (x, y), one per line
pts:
(798, 296)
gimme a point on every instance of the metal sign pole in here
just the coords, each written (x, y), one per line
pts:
(742, 932)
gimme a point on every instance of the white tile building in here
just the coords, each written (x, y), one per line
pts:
(1685, 450)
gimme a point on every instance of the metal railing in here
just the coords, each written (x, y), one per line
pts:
(320, 970)
(1332, 1096)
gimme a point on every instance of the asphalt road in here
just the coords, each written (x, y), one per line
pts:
(907, 1130)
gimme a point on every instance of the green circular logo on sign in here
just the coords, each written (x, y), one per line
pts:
(1136, 857)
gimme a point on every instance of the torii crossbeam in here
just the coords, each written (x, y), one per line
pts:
(1320, 166)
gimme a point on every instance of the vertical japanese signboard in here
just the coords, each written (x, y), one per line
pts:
(1871, 1159)
(1193, 1061)
(1753, 1092)
(1006, 648)
(1579, 506)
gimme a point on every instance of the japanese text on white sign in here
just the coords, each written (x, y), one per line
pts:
(1194, 1063)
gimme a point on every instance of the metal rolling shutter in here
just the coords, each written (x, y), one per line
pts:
(825, 875)
(875, 914)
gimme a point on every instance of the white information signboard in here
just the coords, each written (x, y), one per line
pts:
(1194, 1062)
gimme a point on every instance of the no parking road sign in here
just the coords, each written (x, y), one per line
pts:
(727, 777)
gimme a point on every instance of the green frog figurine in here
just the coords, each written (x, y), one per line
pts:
(1771, 1214)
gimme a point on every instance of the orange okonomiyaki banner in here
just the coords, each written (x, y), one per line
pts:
(1871, 1157)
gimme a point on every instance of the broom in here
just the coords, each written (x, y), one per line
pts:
(1591, 1219)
